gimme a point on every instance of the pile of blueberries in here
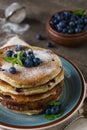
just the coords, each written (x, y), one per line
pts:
(69, 23)
(28, 58)
(53, 109)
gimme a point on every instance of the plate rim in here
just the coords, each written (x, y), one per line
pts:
(64, 118)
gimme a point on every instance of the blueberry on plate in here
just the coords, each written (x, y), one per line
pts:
(39, 37)
(54, 109)
(36, 61)
(48, 111)
(12, 70)
(18, 47)
(9, 53)
(28, 63)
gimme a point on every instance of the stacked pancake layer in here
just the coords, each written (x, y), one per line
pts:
(31, 89)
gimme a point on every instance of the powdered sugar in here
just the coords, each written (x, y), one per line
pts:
(31, 74)
(44, 55)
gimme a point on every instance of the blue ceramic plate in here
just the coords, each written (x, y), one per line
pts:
(72, 98)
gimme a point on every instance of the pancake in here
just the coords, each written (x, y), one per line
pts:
(30, 89)
(35, 97)
(9, 103)
(34, 76)
(7, 88)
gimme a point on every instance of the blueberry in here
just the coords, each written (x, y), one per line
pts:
(18, 47)
(78, 30)
(76, 22)
(36, 61)
(23, 60)
(65, 30)
(59, 28)
(85, 20)
(85, 28)
(80, 21)
(9, 53)
(14, 55)
(71, 23)
(68, 23)
(12, 70)
(82, 17)
(80, 26)
(49, 44)
(73, 19)
(68, 27)
(62, 23)
(54, 109)
(70, 31)
(39, 37)
(31, 57)
(62, 16)
(24, 54)
(67, 14)
(48, 111)
(76, 16)
(58, 17)
(53, 21)
(28, 63)
(30, 52)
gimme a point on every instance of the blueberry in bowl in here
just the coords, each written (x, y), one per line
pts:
(68, 28)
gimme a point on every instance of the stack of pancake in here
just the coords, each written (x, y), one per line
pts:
(31, 89)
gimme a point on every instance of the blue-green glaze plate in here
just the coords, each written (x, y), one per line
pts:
(73, 95)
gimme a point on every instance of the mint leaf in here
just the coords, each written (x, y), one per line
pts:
(53, 116)
(14, 60)
(49, 117)
(54, 103)
(8, 59)
(19, 62)
(19, 58)
(79, 12)
(20, 55)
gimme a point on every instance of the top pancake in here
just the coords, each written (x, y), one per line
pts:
(34, 76)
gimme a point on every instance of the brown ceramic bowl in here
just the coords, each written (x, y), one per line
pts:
(70, 40)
